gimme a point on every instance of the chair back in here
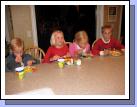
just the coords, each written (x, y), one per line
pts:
(94, 43)
(68, 43)
(36, 53)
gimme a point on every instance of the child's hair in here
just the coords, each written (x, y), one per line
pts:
(52, 39)
(16, 43)
(106, 27)
(81, 36)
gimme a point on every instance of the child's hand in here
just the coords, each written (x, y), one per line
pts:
(106, 52)
(123, 50)
(29, 63)
(56, 57)
(67, 55)
(85, 54)
(18, 59)
(80, 51)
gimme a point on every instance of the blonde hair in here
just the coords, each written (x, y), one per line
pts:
(81, 36)
(106, 27)
(16, 43)
(52, 39)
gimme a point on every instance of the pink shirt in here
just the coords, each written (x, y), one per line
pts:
(75, 47)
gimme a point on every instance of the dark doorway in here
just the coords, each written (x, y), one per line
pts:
(69, 19)
(123, 26)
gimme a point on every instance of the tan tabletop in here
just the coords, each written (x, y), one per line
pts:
(96, 76)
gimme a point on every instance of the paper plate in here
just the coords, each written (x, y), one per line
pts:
(19, 69)
(116, 53)
(61, 60)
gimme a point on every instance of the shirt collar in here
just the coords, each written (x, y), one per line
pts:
(105, 41)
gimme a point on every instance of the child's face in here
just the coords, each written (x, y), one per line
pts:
(82, 44)
(18, 52)
(59, 39)
(107, 34)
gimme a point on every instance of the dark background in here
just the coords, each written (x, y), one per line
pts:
(69, 19)
(123, 26)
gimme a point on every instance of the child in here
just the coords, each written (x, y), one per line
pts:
(106, 43)
(17, 58)
(58, 47)
(80, 46)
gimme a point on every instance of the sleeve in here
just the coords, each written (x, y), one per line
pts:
(95, 49)
(88, 48)
(67, 49)
(72, 49)
(10, 64)
(28, 57)
(118, 45)
(47, 55)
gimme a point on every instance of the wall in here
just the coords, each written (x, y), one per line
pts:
(22, 24)
(117, 23)
(99, 20)
(8, 25)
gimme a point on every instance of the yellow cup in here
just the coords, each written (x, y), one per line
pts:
(61, 64)
(21, 75)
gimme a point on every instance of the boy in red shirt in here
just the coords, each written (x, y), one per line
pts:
(103, 45)
(58, 47)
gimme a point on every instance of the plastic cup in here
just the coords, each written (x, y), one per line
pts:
(21, 75)
(77, 62)
(20, 72)
(61, 63)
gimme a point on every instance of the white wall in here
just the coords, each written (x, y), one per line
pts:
(99, 20)
(24, 24)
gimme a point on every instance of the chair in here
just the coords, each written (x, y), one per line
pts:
(94, 43)
(68, 43)
(36, 53)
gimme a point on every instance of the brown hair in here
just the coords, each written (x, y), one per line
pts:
(106, 27)
(16, 43)
(81, 36)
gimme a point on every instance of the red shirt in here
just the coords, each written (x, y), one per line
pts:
(52, 51)
(100, 46)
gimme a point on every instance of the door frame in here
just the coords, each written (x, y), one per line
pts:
(34, 26)
(99, 20)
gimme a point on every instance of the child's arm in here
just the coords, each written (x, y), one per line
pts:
(118, 45)
(95, 49)
(29, 60)
(10, 63)
(54, 58)
(67, 52)
(87, 52)
(48, 55)
(72, 49)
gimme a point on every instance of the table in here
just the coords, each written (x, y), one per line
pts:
(96, 76)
